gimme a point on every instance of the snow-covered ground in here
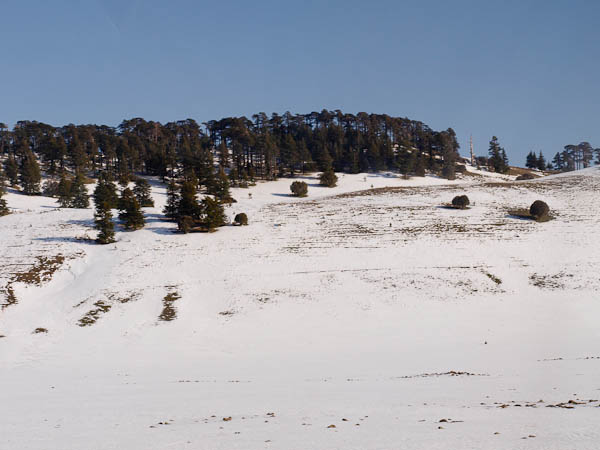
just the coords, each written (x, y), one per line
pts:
(355, 318)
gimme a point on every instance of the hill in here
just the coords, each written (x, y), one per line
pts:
(366, 306)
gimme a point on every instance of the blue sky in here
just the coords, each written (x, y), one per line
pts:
(525, 71)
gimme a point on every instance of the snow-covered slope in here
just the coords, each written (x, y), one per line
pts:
(400, 323)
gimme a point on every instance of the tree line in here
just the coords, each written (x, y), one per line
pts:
(573, 157)
(262, 147)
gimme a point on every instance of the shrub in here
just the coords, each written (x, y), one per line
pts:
(299, 189)
(525, 176)
(185, 223)
(460, 201)
(461, 168)
(241, 219)
(539, 209)
(328, 178)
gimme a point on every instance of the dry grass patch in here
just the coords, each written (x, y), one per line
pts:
(169, 311)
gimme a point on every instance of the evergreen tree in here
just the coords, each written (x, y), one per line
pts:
(79, 193)
(541, 161)
(213, 214)
(129, 211)
(220, 187)
(106, 192)
(420, 166)
(498, 159)
(142, 192)
(104, 224)
(557, 162)
(65, 194)
(3, 207)
(188, 205)
(171, 207)
(328, 178)
(30, 175)
(531, 161)
(11, 170)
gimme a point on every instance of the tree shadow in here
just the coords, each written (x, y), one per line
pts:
(67, 240)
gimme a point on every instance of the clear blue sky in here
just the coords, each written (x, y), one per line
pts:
(526, 71)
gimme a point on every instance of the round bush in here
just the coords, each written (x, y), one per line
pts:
(241, 219)
(460, 201)
(539, 209)
(299, 188)
(328, 178)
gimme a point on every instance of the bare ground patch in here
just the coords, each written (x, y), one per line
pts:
(169, 311)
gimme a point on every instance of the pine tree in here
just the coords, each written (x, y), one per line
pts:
(420, 166)
(541, 161)
(188, 206)
(129, 211)
(30, 175)
(106, 192)
(104, 224)
(171, 207)
(220, 187)
(65, 194)
(79, 193)
(498, 159)
(142, 192)
(557, 162)
(3, 207)
(11, 169)
(531, 161)
(213, 214)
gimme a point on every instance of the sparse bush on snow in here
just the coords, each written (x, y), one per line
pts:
(525, 176)
(460, 201)
(241, 219)
(299, 189)
(539, 210)
(328, 178)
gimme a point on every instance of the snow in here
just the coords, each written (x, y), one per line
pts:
(375, 306)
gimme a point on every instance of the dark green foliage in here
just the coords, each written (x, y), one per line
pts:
(188, 203)
(256, 147)
(497, 160)
(241, 219)
(104, 224)
(106, 192)
(129, 211)
(541, 161)
(460, 201)
(219, 187)
(213, 214)
(299, 189)
(3, 207)
(185, 224)
(420, 166)
(170, 209)
(30, 175)
(11, 170)
(79, 193)
(50, 188)
(328, 178)
(539, 210)
(142, 192)
(64, 192)
(531, 160)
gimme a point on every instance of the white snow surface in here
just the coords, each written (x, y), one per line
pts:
(402, 324)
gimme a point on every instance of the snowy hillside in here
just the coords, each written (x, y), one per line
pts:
(361, 317)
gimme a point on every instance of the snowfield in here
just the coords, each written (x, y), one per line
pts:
(364, 316)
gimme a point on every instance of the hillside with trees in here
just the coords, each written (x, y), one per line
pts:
(245, 149)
